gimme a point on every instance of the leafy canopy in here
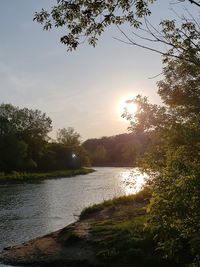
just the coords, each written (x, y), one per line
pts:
(23, 135)
(86, 20)
(173, 159)
(68, 136)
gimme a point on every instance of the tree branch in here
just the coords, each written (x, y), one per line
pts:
(194, 2)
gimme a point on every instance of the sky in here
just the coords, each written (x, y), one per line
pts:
(81, 89)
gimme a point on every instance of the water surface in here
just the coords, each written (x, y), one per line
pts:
(29, 210)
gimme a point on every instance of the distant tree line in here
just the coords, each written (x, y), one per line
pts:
(119, 150)
(26, 146)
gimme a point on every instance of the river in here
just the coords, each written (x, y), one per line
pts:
(29, 210)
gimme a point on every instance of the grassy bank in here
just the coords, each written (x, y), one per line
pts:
(120, 236)
(23, 176)
(109, 234)
(118, 232)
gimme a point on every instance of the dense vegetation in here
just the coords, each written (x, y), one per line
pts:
(119, 150)
(118, 234)
(174, 159)
(24, 176)
(26, 147)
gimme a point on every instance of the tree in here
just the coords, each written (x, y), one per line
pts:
(173, 159)
(173, 38)
(14, 153)
(117, 150)
(194, 2)
(68, 136)
(56, 157)
(14, 119)
(70, 141)
(100, 155)
(23, 136)
(87, 20)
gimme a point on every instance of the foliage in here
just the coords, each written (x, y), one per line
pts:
(118, 233)
(142, 197)
(72, 154)
(87, 20)
(16, 120)
(174, 158)
(23, 135)
(25, 145)
(118, 150)
(56, 157)
(100, 154)
(68, 137)
(60, 156)
(31, 177)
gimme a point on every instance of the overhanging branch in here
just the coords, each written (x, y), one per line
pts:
(194, 2)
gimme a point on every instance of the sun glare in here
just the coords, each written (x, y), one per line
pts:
(130, 107)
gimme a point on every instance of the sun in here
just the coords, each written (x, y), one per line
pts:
(129, 106)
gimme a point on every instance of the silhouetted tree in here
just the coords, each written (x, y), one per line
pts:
(68, 136)
(23, 136)
(173, 160)
(87, 20)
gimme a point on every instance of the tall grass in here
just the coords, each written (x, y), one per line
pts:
(24, 176)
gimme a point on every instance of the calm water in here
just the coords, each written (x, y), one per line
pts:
(30, 210)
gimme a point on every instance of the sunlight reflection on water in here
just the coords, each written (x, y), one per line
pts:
(29, 210)
(132, 181)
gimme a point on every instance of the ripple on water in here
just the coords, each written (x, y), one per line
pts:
(30, 210)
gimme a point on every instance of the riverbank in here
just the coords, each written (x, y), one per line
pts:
(23, 176)
(112, 233)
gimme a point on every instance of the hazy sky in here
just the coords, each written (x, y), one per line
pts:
(81, 89)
